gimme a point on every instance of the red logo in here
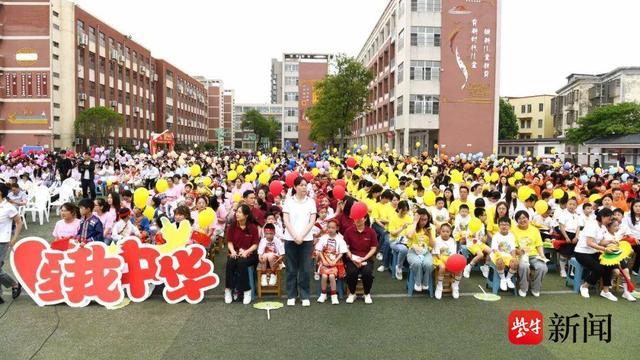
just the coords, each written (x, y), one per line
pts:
(526, 327)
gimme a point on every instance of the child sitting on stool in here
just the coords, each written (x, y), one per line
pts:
(270, 253)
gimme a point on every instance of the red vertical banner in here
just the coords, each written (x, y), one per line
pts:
(469, 76)
(14, 85)
(7, 85)
(45, 85)
(38, 85)
(23, 85)
(29, 85)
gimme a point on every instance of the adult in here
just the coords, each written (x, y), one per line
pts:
(529, 243)
(69, 223)
(242, 240)
(17, 196)
(632, 222)
(64, 166)
(8, 217)
(249, 198)
(363, 244)
(592, 241)
(398, 228)
(299, 216)
(419, 255)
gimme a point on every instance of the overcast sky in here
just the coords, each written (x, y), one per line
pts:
(543, 41)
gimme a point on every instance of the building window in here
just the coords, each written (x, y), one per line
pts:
(401, 40)
(424, 70)
(92, 34)
(291, 96)
(55, 44)
(529, 108)
(399, 106)
(55, 56)
(56, 87)
(422, 36)
(92, 61)
(540, 107)
(523, 109)
(291, 111)
(80, 26)
(426, 5)
(56, 26)
(400, 72)
(291, 67)
(170, 93)
(101, 39)
(401, 9)
(291, 80)
(102, 65)
(55, 13)
(540, 123)
(424, 104)
(56, 75)
(56, 105)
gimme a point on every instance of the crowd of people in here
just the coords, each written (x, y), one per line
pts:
(343, 217)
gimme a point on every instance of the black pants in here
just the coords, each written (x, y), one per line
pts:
(88, 186)
(595, 270)
(150, 184)
(353, 271)
(636, 262)
(236, 274)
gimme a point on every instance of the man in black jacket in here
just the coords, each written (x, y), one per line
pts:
(87, 167)
(64, 166)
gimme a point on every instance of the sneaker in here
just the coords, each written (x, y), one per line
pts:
(608, 295)
(334, 300)
(263, 280)
(379, 256)
(563, 273)
(291, 302)
(584, 292)
(522, 293)
(273, 280)
(425, 287)
(398, 272)
(467, 271)
(439, 292)
(381, 268)
(316, 276)
(235, 295)
(455, 290)
(16, 291)
(322, 298)
(247, 297)
(535, 293)
(351, 298)
(228, 296)
(627, 296)
(510, 284)
(367, 299)
(306, 302)
(503, 284)
(417, 287)
(485, 270)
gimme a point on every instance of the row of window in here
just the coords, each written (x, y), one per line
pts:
(527, 108)
(420, 70)
(526, 123)
(419, 104)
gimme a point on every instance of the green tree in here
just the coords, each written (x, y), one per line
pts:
(340, 98)
(508, 128)
(618, 119)
(262, 127)
(97, 123)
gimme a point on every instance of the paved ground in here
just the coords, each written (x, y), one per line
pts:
(394, 325)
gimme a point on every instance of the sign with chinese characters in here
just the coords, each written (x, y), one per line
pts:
(95, 272)
(468, 97)
(526, 327)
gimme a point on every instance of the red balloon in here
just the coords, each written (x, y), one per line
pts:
(275, 188)
(308, 176)
(291, 178)
(358, 211)
(351, 162)
(339, 192)
(341, 182)
(456, 263)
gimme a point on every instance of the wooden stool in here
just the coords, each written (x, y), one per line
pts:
(269, 290)
(446, 282)
(359, 288)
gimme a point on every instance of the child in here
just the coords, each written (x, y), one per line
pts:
(614, 234)
(461, 224)
(331, 247)
(270, 253)
(123, 227)
(439, 213)
(320, 226)
(503, 253)
(477, 246)
(445, 246)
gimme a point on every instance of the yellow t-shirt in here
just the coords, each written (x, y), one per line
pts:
(384, 212)
(352, 188)
(371, 205)
(421, 239)
(396, 222)
(362, 194)
(529, 238)
(454, 208)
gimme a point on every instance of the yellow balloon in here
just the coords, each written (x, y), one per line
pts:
(364, 147)
(241, 161)
(594, 197)
(456, 177)
(409, 192)
(525, 192)
(393, 181)
(149, 212)
(195, 170)
(237, 197)
(315, 172)
(477, 171)
(598, 171)
(382, 179)
(630, 169)
(475, 225)
(511, 181)
(206, 181)
(518, 175)
(558, 194)
(264, 178)
(232, 175)
(162, 185)
(429, 198)
(206, 218)
(140, 197)
(418, 144)
(251, 177)
(541, 207)
(425, 181)
(495, 177)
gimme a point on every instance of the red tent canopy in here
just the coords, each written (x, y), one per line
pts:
(166, 137)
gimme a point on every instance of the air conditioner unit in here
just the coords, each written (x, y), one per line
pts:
(83, 40)
(114, 103)
(121, 59)
(82, 96)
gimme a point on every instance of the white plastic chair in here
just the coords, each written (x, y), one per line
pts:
(65, 194)
(39, 205)
(24, 219)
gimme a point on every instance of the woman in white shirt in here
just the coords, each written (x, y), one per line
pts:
(632, 222)
(587, 252)
(299, 215)
(569, 229)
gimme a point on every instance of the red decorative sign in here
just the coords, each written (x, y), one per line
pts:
(526, 327)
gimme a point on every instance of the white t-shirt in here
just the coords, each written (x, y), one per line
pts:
(439, 216)
(591, 230)
(503, 243)
(299, 216)
(276, 246)
(340, 244)
(444, 247)
(571, 221)
(634, 230)
(7, 213)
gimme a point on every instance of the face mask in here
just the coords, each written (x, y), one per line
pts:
(549, 186)
(218, 193)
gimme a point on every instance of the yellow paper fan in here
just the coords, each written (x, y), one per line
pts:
(615, 259)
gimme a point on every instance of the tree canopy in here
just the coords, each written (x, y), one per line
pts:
(261, 126)
(340, 98)
(508, 128)
(97, 123)
(608, 120)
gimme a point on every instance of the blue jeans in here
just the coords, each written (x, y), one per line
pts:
(421, 266)
(298, 260)
(401, 250)
(383, 244)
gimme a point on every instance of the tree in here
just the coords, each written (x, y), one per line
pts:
(97, 123)
(508, 128)
(618, 119)
(262, 127)
(340, 98)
